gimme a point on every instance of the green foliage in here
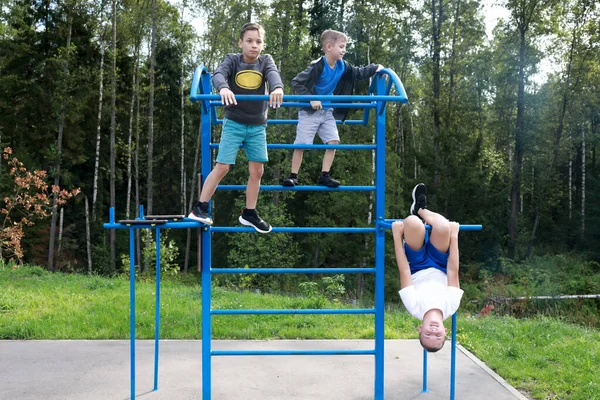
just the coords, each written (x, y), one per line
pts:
(275, 250)
(168, 255)
(327, 288)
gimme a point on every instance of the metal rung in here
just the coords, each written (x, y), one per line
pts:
(291, 270)
(303, 188)
(290, 352)
(292, 312)
(294, 230)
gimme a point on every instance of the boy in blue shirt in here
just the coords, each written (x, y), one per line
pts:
(325, 76)
(244, 123)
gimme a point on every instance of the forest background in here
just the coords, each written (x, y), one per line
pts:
(96, 93)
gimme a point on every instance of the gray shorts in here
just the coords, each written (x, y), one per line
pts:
(321, 122)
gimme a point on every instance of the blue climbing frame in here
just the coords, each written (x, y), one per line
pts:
(379, 95)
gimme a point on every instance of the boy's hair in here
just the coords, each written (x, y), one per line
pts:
(431, 349)
(252, 26)
(331, 36)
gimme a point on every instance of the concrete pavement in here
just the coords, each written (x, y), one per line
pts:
(90, 370)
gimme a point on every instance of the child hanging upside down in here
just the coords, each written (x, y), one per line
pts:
(429, 285)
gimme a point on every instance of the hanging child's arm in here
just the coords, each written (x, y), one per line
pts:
(401, 260)
(452, 267)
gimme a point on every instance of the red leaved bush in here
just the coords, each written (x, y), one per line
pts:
(30, 200)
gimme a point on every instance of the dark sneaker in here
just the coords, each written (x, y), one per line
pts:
(251, 218)
(419, 196)
(327, 180)
(290, 181)
(200, 214)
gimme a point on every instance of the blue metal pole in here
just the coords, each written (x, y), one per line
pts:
(206, 316)
(379, 240)
(453, 359)
(132, 311)
(157, 310)
(206, 255)
(424, 371)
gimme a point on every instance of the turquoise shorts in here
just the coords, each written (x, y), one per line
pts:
(234, 134)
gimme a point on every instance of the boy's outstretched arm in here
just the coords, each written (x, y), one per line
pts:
(403, 267)
(452, 267)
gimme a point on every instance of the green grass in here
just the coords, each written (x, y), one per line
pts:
(544, 357)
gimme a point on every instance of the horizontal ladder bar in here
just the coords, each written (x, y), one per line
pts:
(293, 230)
(294, 312)
(313, 146)
(290, 352)
(303, 98)
(387, 223)
(295, 121)
(291, 270)
(307, 105)
(190, 223)
(303, 188)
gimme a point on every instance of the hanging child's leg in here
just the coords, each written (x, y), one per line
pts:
(414, 233)
(440, 229)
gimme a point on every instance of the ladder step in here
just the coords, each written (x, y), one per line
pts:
(168, 217)
(294, 229)
(293, 312)
(302, 188)
(153, 222)
(291, 270)
(290, 352)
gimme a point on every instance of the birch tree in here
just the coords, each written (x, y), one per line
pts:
(61, 124)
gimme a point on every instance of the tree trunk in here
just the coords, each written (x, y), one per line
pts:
(182, 90)
(113, 128)
(150, 182)
(198, 178)
(582, 181)
(436, 26)
(136, 159)
(88, 238)
(61, 126)
(61, 219)
(570, 180)
(130, 135)
(518, 155)
(98, 125)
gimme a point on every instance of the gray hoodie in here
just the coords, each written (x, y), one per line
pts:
(247, 78)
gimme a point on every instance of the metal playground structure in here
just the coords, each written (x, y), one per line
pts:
(376, 100)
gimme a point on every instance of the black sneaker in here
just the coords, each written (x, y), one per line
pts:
(419, 196)
(251, 218)
(200, 213)
(290, 181)
(327, 180)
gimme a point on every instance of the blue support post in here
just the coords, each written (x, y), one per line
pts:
(379, 239)
(453, 359)
(206, 253)
(157, 310)
(424, 371)
(206, 316)
(131, 309)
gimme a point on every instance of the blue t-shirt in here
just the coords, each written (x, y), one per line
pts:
(329, 79)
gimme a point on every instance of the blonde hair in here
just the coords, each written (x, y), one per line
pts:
(331, 36)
